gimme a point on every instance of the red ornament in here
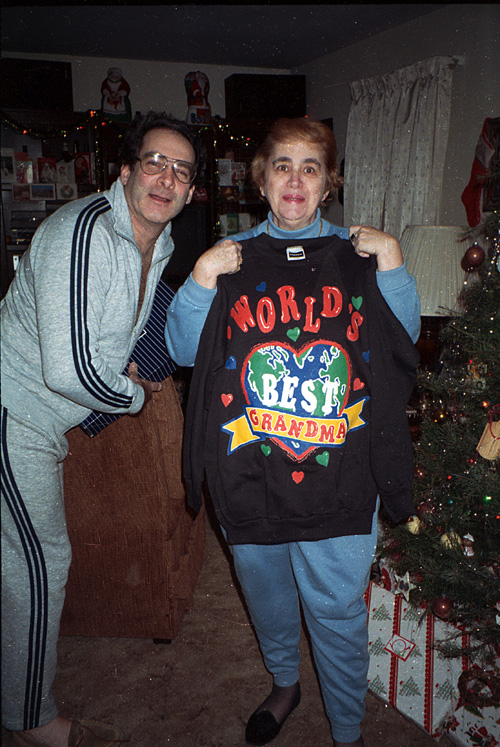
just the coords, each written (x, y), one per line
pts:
(423, 511)
(442, 607)
(473, 257)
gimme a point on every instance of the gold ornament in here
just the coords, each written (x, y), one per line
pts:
(451, 540)
(414, 525)
(489, 444)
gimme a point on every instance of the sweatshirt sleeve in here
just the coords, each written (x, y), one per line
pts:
(399, 289)
(393, 360)
(72, 267)
(186, 316)
(209, 357)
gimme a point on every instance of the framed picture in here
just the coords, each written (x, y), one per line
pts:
(13, 256)
(66, 172)
(47, 170)
(7, 165)
(66, 191)
(21, 192)
(42, 191)
(229, 224)
(24, 171)
(239, 173)
(245, 221)
(224, 166)
(83, 168)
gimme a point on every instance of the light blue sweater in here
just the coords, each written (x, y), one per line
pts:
(188, 311)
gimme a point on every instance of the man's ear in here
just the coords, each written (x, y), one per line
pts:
(190, 194)
(124, 174)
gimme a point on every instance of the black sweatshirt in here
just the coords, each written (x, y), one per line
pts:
(297, 407)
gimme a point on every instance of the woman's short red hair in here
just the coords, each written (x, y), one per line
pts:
(303, 129)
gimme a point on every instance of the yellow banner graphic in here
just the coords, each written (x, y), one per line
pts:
(257, 423)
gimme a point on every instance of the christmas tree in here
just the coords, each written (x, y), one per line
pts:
(448, 556)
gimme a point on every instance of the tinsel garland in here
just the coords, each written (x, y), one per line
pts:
(88, 119)
(95, 120)
(91, 119)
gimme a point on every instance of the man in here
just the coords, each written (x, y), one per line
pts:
(81, 297)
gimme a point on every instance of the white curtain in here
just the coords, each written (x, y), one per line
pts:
(396, 144)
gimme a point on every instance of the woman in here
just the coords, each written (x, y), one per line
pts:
(297, 416)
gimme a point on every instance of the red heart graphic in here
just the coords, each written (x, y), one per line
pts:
(358, 384)
(226, 399)
(297, 477)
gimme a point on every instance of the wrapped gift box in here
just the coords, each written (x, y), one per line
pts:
(405, 669)
(408, 672)
(474, 727)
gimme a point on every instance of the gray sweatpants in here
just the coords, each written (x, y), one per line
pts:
(36, 555)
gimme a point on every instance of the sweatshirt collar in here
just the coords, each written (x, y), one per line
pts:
(311, 231)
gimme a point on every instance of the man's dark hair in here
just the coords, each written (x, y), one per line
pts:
(142, 124)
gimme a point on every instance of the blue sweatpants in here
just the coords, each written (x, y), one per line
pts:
(36, 556)
(329, 577)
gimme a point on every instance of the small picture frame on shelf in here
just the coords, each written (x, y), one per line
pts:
(24, 171)
(66, 191)
(229, 224)
(7, 165)
(224, 166)
(42, 191)
(229, 194)
(239, 173)
(245, 221)
(15, 257)
(21, 192)
(66, 172)
(47, 170)
(83, 168)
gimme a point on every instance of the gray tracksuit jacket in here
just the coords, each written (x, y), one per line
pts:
(68, 320)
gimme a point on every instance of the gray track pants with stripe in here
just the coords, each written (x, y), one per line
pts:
(36, 555)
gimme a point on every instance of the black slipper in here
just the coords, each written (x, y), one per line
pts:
(262, 727)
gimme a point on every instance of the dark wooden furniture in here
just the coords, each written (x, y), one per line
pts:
(137, 551)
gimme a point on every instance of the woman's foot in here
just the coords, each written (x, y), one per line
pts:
(265, 723)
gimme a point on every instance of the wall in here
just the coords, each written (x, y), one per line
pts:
(154, 85)
(469, 30)
(459, 29)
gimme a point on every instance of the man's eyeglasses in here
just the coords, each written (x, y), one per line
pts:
(155, 163)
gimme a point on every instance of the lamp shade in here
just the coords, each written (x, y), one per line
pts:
(433, 255)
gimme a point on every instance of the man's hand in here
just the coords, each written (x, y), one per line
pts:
(367, 240)
(148, 386)
(221, 259)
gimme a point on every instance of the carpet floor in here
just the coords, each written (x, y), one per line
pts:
(199, 690)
